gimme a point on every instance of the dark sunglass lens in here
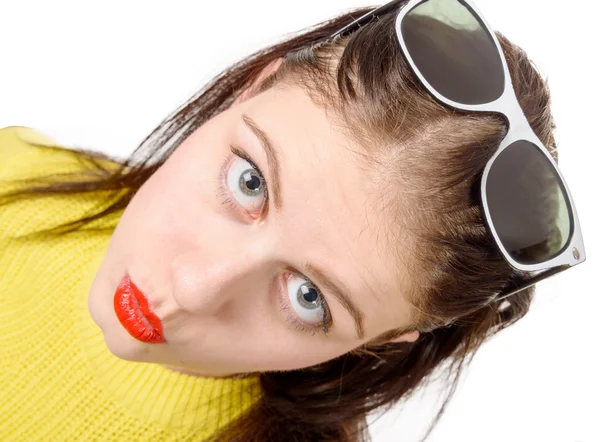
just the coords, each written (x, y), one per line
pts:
(453, 51)
(528, 204)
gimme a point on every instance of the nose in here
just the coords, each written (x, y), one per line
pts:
(204, 280)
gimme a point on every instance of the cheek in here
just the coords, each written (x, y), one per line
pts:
(191, 175)
(172, 211)
(300, 353)
(311, 355)
(164, 215)
(182, 190)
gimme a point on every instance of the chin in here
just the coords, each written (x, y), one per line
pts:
(126, 348)
(203, 373)
(188, 371)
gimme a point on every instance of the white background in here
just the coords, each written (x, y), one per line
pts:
(104, 74)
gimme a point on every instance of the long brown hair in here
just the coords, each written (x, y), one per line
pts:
(428, 160)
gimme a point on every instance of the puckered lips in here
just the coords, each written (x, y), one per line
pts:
(134, 313)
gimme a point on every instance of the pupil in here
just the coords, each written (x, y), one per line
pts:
(250, 181)
(310, 295)
(254, 182)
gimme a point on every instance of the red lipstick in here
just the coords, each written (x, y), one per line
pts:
(131, 307)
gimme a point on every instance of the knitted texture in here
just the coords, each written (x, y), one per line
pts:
(58, 380)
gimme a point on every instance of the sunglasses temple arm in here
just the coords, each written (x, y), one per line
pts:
(532, 281)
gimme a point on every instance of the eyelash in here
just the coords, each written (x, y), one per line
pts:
(325, 324)
(226, 199)
(224, 192)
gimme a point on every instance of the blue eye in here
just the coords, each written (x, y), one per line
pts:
(306, 300)
(246, 184)
(243, 180)
(306, 306)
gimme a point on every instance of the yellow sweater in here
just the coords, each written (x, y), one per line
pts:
(58, 380)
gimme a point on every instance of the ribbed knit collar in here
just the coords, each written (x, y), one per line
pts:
(151, 392)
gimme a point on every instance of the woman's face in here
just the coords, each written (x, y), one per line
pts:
(228, 272)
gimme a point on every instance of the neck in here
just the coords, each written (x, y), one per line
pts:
(193, 373)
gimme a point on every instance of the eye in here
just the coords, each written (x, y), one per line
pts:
(246, 184)
(306, 300)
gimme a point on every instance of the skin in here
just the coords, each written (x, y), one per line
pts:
(215, 274)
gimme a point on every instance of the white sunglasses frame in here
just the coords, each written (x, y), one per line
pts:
(573, 252)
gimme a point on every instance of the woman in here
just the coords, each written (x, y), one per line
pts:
(299, 244)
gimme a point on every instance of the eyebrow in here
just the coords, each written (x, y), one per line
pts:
(341, 296)
(274, 169)
(272, 159)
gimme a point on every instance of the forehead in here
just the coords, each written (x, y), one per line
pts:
(327, 214)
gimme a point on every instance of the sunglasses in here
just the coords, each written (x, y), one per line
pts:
(527, 205)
